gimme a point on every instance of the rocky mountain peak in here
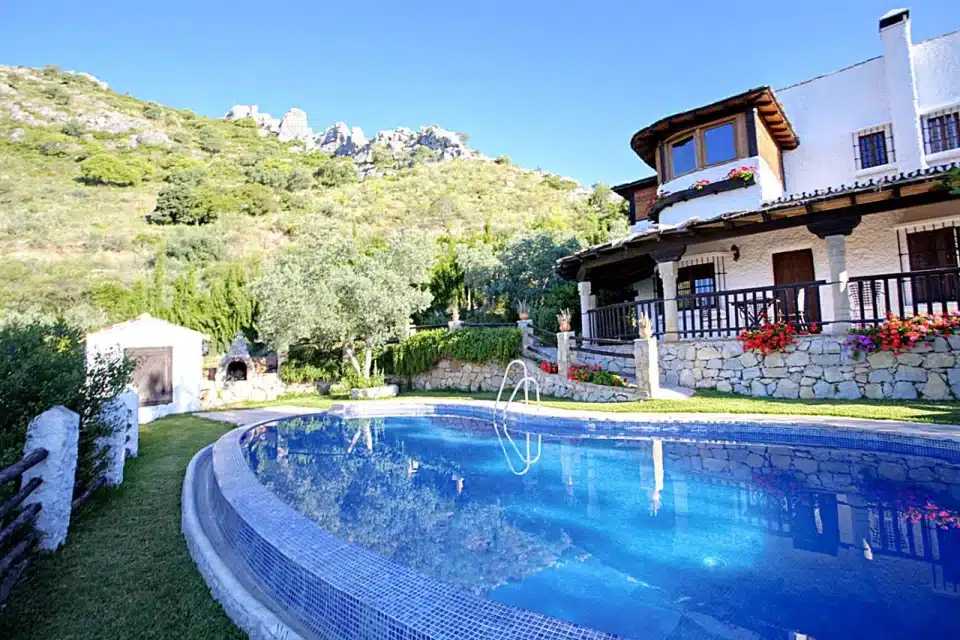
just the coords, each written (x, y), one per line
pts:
(341, 140)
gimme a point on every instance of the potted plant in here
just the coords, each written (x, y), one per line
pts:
(563, 319)
(523, 309)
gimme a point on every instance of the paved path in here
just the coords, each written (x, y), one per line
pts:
(241, 417)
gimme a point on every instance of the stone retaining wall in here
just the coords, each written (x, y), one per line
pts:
(815, 367)
(621, 365)
(466, 376)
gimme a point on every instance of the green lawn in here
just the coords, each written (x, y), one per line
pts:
(703, 402)
(125, 571)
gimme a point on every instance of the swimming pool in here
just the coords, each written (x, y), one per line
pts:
(431, 525)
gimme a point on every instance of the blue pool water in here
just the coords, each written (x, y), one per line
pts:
(646, 538)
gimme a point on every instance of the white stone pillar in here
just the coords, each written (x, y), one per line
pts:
(668, 276)
(526, 336)
(130, 400)
(588, 302)
(839, 292)
(58, 431)
(902, 90)
(565, 357)
(647, 359)
(453, 325)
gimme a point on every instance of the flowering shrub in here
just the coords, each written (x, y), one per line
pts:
(899, 335)
(770, 337)
(742, 173)
(548, 367)
(700, 184)
(595, 374)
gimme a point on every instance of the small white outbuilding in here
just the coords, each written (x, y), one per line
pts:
(169, 362)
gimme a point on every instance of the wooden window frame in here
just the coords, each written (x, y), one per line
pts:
(700, 148)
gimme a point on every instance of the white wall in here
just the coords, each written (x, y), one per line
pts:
(825, 112)
(187, 358)
(937, 66)
(767, 187)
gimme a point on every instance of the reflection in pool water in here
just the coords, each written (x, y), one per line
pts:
(647, 538)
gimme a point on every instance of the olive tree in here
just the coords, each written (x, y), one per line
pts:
(335, 288)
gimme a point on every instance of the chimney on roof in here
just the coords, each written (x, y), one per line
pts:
(901, 88)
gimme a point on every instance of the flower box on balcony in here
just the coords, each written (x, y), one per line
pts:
(698, 191)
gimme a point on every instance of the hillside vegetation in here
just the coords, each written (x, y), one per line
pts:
(81, 169)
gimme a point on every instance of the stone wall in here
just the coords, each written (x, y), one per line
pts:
(466, 376)
(815, 367)
(621, 365)
(257, 388)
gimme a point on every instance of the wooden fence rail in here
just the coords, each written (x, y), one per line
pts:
(18, 534)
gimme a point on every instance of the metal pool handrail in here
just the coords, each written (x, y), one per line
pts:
(528, 459)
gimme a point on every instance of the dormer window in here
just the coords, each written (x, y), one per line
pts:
(683, 154)
(705, 146)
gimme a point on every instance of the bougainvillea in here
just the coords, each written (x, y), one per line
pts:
(898, 335)
(595, 374)
(768, 338)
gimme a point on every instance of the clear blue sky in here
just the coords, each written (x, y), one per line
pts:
(558, 85)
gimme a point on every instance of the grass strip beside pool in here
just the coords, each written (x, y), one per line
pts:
(702, 402)
(125, 571)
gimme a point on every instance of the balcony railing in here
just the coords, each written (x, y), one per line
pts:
(913, 293)
(723, 314)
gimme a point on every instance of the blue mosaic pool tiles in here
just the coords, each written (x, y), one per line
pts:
(338, 590)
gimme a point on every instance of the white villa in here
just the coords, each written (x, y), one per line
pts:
(824, 204)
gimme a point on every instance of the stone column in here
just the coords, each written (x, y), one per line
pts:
(58, 431)
(453, 325)
(647, 358)
(526, 337)
(588, 302)
(565, 357)
(839, 291)
(668, 276)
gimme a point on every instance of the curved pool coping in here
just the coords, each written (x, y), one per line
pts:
(335, 589)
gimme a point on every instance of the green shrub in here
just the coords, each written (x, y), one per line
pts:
(292, 373)
(185, 170)
(417, 353)
(176, 204)
(298, 180)
(210, 140)
(74, 129)
(336, 172)
(104, 168)
(479, 344)
(353, 380)
(43, 364)
(58, 94)
(558, 183)
(504, 160)
(421, 351)
(153, 111)
(257, 200)
(196, 245)
(270, 172)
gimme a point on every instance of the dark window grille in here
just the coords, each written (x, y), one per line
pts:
(874, 149)
(694, 280)
(941, 133)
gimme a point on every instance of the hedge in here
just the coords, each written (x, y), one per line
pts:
(422, 351)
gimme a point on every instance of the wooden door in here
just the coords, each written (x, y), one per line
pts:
(936, 249)
(798, 305)
(153, 375)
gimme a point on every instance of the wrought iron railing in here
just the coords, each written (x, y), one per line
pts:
(873, 298)
(18, 536)
(715, 314)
